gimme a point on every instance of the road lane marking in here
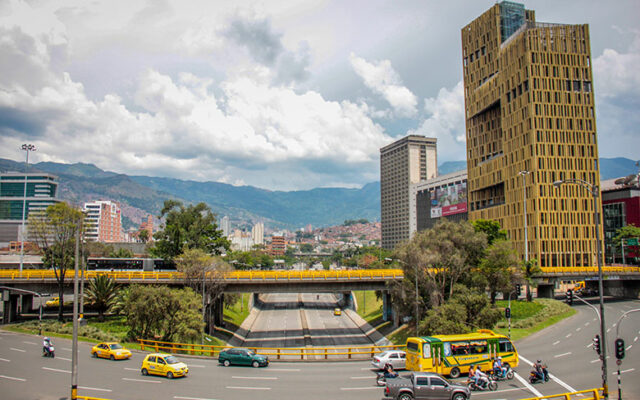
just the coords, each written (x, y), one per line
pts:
(132, 369)
(139, 380)
(578, 329)
(12, 378)
(594, 361)
(5, 360)
(587, 324)
(635, 339)
(65, 349)
(362, 388)
(627, 370)
(284, 369)
(248, 388)
(568, 336)
(64, 359)
(20, 350)
(527, 385)
(608, 330)
(556, 342)
(197, 366)
(190, 398)
(24, 341)
(499, 391)
(362, 377)
(94, 389)
(555, 378)
(561, 355)
(367, 368)
(590, 344)
(57, 370)
(264, 378)
(630, 346)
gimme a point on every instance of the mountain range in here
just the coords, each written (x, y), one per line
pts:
(245, 205)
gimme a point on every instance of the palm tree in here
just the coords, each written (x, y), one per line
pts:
(101, 294)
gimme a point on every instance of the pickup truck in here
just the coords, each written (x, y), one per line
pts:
(424, 385)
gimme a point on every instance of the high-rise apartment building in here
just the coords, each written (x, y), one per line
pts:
(404, 162)
(104, 222)
(257, 233)
(41, 191)
(529, 106)
(225, 226)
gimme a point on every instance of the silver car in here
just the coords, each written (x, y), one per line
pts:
(397, 358)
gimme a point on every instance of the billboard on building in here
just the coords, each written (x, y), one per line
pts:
(449, 200)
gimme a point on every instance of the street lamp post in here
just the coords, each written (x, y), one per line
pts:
(26, 147)
(524, 173)
(595, 192)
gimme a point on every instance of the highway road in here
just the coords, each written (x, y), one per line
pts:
(24, 374)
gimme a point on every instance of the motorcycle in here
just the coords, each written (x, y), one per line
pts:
(504, 374)
(48, 352)
(492, 385)
(534, 378)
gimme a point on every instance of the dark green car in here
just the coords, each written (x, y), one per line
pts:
(239, 356)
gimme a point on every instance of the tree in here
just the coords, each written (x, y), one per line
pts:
(498, 266)
(54, 231)
(443, 255)
(143, 235)
(188, 228)
(626, 232)
(490, 228)
(306, 247)
(158, 311)
(121, 253)
(101, 294)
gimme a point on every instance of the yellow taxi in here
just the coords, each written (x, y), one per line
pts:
(337, 311)
(163, 364)
(55, 302)
(111, 350)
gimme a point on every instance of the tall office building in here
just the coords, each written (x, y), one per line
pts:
(257, 233)
(404, 162)
(104, 222)
(41, 188)
(530, 107)
(225, 226)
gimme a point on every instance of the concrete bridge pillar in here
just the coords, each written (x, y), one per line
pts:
(347, 300)
(218, 310)
(546, 290)
(387, 309)
(10, 307)
(627, 289)
(26, 303)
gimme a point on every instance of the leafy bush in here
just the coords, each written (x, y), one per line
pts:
(66, 328)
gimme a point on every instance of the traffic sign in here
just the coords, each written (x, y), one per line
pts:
(632, 242)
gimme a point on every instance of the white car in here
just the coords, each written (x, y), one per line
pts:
(396, 358)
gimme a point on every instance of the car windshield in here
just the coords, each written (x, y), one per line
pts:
(250, 353)
(115, 346)
(171, 360)
(383, 354)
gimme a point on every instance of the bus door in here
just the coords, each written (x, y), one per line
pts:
(437, 357)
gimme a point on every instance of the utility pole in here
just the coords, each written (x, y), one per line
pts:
(74, 352)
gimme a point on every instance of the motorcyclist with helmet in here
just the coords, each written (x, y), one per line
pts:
(47, 344)
(540, 370)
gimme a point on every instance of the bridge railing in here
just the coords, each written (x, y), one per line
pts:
(277, 353)
(589, 270)
(373, 274)
(593, 394)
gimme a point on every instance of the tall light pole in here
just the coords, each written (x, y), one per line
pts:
(595, 192)
(26, 147)
(524, 173)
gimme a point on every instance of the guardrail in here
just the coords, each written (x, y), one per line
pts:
(88, 398)
(278, 353)
(594, 393)
(373, 274)
(589, 270)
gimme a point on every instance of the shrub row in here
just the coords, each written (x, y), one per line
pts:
(66, 328)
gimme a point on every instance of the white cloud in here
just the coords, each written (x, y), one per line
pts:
(384, 80)
(445, 121)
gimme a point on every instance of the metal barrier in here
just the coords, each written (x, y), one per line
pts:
(88, 398)
(589, 270)
(371, 274)
(594, 393)
(278, 353)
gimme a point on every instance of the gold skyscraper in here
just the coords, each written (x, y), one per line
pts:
(529, 106)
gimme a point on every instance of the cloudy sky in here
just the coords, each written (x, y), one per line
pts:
(281, 94)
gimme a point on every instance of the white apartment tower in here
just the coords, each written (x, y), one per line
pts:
(257, 233)
(225, 225)
(402, 163)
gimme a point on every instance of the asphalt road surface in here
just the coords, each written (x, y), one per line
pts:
(24, 374)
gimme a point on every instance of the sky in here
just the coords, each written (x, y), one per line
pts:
(280, 94)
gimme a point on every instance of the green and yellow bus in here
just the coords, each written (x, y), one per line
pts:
(455, 354)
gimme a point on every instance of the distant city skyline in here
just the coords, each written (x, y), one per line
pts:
(290, 95)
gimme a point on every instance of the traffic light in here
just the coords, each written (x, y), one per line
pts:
(570, 297)
(517, 289)
(596, 344)
(507, 313)
(619, 349)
